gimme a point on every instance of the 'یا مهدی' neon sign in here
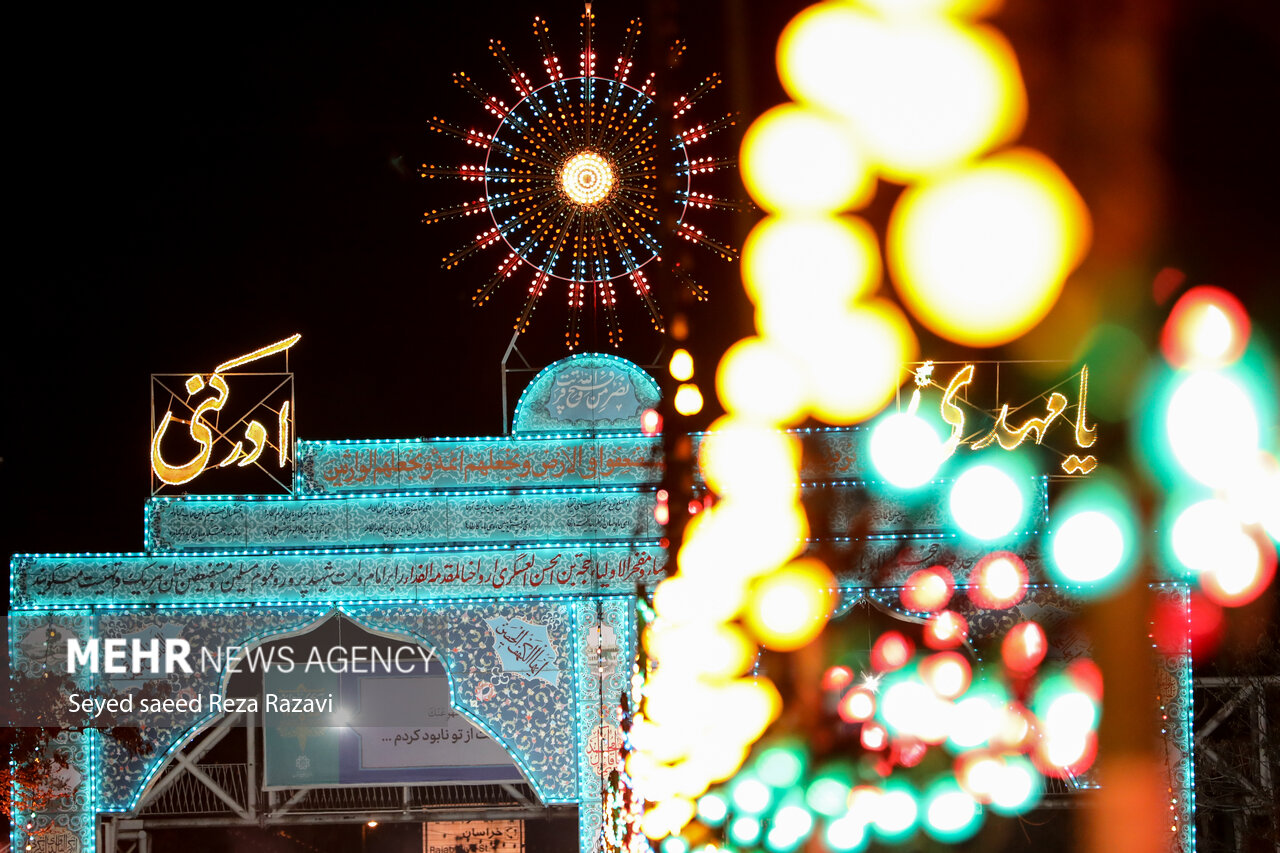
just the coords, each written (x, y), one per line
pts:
(201, 433)
(1010, 437)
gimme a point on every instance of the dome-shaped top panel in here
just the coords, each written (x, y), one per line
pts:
(587, 391)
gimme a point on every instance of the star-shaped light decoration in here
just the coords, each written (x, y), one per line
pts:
(571, 180)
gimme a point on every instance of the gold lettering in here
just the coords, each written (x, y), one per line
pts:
(1011, 438)
(951, 413)
(1085, 434)
(284, 434)
(1075, 465)
(176, 475)
(255, 432)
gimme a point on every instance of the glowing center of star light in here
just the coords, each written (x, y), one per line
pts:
(587, 178)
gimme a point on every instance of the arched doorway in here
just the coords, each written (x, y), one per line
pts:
(221, 776)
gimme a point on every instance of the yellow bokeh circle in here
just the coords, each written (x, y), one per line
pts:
(981, 255)
(760, 381)
(915, 8)
(739, 458)
(810, 263)
(921, 94)
(789, 607)
(852, 360)
(796, 159)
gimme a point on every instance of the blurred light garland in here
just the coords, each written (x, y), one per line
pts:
(829, 348)
(938, 731)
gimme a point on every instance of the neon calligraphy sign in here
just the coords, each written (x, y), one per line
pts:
(204, 432)
(1008, 436)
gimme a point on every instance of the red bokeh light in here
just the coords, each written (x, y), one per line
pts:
(1024, 647)
(998, 581)
(946, 630)
(1227, 589)
(837, 678)
(1200, 621)
(891, 651)
(928, 590)
(1208, 327)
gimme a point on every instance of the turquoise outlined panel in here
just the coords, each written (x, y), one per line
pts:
(400, 520)
(545, 461)
(338, 576)
(532, 461)
(615, 513)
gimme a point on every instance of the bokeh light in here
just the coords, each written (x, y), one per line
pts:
(790, 606)
(791, 825)
(980, 256)
(896, 812)
(1247, 566)
(928, 590)
(951, 815)
(891, 651)
(740, 459)
(650, 422)
(781, 765)
(914, 8)
(924, 94)
(1018, 787)
(947, 674)
(1024, 647)
(906, 449)
(837, 678)
(1203, 619)
(858, 705)
(975, 720)
(808, 263)
(853, 360)
(998, 581)
(750, 795)
(874, 736)
(1206, 533)
(986, 503)
(1212, 426)
(744, 830)
(760, 381)
(846, 834)
(688, 399)
(828, 794)
(712, 809)
(681, 365)
(739, 539)
(1254, 494)
(1090, 549)
(799, 160)
(978, 771)
(945, 630)
(1207, 327)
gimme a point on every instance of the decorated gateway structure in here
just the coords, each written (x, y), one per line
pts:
(509, 565)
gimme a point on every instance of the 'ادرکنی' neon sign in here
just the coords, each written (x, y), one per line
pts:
(207, 436)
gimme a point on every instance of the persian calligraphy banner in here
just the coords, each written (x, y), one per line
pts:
(354, 521)
(175, 524)
(473, 836)
(327, 467)
(54, 580)
(331, 467)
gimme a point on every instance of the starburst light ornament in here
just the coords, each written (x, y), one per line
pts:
(573, 179)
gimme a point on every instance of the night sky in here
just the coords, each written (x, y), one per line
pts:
(191, 184)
